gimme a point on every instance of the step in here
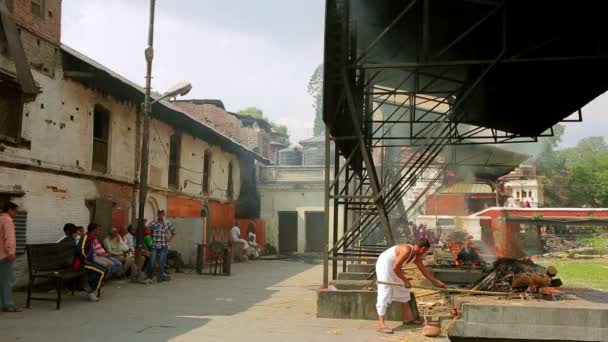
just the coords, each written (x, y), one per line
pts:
(360, 268)
(357, 304)
(353, 276)
(353, 284)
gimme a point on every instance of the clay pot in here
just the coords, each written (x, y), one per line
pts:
(431, 329)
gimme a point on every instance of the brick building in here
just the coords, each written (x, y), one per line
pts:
(70, 144)
(252, 132)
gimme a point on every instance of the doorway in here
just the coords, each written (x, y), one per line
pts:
(288, 232)
(315, 228)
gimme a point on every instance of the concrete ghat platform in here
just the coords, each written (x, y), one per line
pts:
(582, 319)
(352, 304)
(458, 276)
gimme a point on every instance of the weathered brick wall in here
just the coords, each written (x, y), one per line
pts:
(217, 118)
(59, 124)
(41, 54)
(47, 27)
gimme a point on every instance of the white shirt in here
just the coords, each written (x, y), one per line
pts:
(235, 232)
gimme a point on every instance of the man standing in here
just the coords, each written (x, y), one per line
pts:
(160, 229)
(8, 250)
(389, 269)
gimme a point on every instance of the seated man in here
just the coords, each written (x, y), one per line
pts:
(69, 229)
(79, 233)
(120, 251)
(174, 258)
(94, 274)
(253, 251)
(239, 244)
(104, 259)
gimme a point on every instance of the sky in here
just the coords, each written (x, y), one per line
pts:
(244, 52)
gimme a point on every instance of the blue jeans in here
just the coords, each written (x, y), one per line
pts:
(6, 283)
(162, 254)
(116, 265)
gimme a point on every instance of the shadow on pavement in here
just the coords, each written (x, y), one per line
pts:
(158, 312)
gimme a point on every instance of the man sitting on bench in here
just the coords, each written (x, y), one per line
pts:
(84, 261)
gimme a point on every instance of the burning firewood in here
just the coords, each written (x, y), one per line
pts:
(516, 274)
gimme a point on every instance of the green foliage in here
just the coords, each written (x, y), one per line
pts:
(576, 176)
(283, 138)
(253, 112)
(587, 274)
(259, 114)
(315, 89)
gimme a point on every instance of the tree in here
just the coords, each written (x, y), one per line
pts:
(257, 113)
(283, 137)
(253, 112)
(315, 89)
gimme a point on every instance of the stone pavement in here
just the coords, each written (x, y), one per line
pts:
(261, 301)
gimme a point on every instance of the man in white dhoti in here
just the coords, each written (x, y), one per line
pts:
(389, 269)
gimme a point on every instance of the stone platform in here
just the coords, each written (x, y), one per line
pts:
(356, 304)
(458, 276)
(583, 317)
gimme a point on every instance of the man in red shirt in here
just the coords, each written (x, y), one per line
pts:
(8, 250)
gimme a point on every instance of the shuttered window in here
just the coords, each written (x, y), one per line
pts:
(20, 231)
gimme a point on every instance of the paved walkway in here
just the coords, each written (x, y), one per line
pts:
(261, 301)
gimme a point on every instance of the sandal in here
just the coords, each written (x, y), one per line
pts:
(11, 309)
(413, 322)
(386, 330)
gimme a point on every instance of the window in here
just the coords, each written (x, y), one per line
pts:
(174, 149)
(230, 190)
(38, 8)
(101, 134)
(517, 194)
(206, 171)
(11, 111)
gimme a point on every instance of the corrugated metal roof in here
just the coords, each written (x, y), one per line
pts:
(466, 188)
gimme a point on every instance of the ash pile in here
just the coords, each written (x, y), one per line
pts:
(520, 275)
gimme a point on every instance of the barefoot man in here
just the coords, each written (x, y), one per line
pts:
(388, 269)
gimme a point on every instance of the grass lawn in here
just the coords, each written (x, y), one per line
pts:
(581, 273)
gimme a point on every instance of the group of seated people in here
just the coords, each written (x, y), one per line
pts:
(114, 257)
(249, 249)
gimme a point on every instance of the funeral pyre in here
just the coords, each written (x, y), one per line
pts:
(520, 275)
(459, 252)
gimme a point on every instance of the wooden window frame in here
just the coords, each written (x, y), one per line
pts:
(230, 183)
(41, 5)
(175, 143)
(99, 141)
(205, 188)
(17, 97)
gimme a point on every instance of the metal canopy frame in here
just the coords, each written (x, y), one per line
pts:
(370, 122)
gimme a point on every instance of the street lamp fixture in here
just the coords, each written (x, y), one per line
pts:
(179, 89)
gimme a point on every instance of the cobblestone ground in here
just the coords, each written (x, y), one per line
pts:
(261, 301)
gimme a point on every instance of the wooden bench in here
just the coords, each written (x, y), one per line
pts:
(51, 262)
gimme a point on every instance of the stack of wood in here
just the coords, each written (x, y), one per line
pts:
(518, 275)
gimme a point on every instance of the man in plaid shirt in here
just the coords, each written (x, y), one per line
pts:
(163, 233)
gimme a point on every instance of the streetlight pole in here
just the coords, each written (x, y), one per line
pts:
(143, 171)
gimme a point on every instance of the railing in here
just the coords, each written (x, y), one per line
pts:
(291, 174)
